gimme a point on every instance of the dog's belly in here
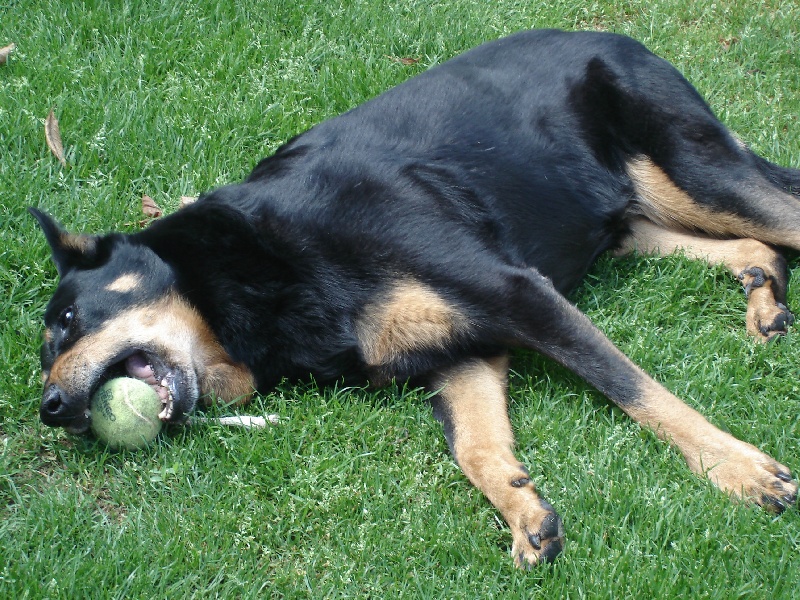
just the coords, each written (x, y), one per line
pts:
(561, 224)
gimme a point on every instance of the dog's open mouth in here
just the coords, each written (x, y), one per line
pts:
(175, 385)
(153, 372)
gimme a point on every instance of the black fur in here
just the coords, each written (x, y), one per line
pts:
(449, 177)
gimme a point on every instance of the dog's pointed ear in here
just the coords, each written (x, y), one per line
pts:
(69, 250)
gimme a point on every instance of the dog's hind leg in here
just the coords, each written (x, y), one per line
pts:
(688, 170)
(737, 194)
(471, 404)
(726, 205)
(760, 268)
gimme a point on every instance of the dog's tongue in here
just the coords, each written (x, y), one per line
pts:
(137, 366)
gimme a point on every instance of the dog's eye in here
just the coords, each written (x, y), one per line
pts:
(66, 317)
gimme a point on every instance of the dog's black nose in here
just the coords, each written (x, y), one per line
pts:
(56, 410)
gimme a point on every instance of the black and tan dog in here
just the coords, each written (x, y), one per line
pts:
(426, 233)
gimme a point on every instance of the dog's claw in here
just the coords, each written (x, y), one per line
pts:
(536, 540)
(784, 497)
(551, 552)
(774, 505)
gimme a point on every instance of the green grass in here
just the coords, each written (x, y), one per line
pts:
(355, 495)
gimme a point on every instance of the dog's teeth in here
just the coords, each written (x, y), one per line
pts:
(163, 393)
(168, 403)
(166, 412)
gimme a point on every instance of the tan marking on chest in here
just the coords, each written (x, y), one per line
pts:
(410, 316)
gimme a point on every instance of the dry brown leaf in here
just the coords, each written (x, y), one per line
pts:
(404, 60)
(727, 43)
(52, 135)
(187, 200)
(4, 52)
(150, 209)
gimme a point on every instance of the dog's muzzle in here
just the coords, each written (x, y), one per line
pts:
(58, 409)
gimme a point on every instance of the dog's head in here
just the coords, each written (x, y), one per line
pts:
(116, 312)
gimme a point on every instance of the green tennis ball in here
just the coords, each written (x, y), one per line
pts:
(125, 413)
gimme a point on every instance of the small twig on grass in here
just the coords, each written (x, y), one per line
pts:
(246, 421)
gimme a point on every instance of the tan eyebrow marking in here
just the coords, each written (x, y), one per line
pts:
(125, 283)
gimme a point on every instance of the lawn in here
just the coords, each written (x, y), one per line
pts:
(355, 494)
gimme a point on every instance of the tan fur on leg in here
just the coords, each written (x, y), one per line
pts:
(474, 402)
(759, 268)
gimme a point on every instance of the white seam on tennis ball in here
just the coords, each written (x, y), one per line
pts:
(126, 391)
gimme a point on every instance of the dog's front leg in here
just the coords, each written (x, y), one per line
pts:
(736, 467)
(472, 405)
(227, 382)
(547, 322)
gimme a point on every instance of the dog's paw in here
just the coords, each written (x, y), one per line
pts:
(783, 495)
(538, 536)
(767, 322)
(766, 318)
(753, 476)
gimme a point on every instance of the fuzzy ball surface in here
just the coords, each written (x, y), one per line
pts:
(125, 413)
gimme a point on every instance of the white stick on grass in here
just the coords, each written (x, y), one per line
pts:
(246, 421)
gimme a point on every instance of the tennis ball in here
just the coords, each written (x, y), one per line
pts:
(125, 413)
